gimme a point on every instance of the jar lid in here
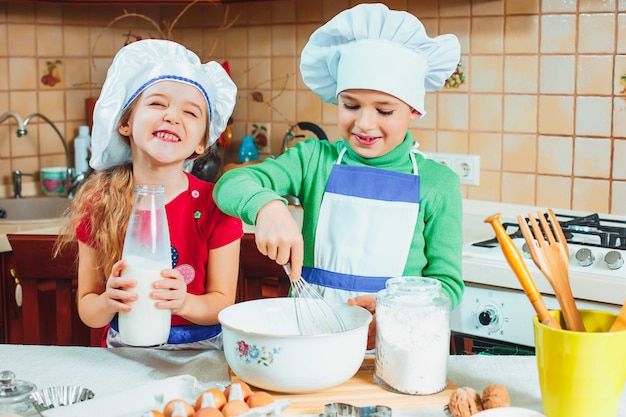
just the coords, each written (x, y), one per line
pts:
(14, 390)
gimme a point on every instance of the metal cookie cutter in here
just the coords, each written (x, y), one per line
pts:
(349, 410)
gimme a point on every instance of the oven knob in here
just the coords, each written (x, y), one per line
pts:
(614, 259)
(489, 318)
(585, 257)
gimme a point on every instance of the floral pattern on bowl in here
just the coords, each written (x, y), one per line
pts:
(253, 353)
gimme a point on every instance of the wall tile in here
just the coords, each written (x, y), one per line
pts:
(593, 116)
(427, 139)
(259, 73)
(486, 112)
(556, 115)
(619, 117)
(621, 33)
(486, 35)
(557, 82)
(521, 7)
(260, 41)
(452, 112)
(48, 40)
(308, 106)
(518, 188)
(487, 74)
(591, 195)
(596, 6)
(489, 189)
(488, 8)
(618, 200)
(592, 157)
(519, 153)
(521, 74)
(554, 191)
(595, 75)
(23, 73)
(558, 34)
(22, 40)
(283, 42)
(452, 142)
(521, 34)
(421, 9)
(619, 155)
(459, 27)
(489, 147)
(520, 113)
(593, 37)
(429, 120)
(557, 6)
(554, 155)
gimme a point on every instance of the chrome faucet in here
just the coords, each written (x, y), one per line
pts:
(72, 181)
(17, 182)
(21, 126)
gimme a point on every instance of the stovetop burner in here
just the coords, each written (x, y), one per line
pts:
(590, 230)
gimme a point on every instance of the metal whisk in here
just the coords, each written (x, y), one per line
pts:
(314, 314)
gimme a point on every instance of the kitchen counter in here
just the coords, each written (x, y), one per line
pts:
(109, 371)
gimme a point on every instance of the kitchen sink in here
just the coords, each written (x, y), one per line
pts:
(32, 208)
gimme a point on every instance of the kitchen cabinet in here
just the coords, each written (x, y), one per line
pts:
(48, 314)
(260, 277)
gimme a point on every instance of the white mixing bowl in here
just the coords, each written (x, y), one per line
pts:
(263, 346)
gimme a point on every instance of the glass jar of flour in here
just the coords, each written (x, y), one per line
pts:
(412, 336)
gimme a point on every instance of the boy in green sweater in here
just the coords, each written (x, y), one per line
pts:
(374, 207)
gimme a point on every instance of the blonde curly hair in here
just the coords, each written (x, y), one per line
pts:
(103, 203)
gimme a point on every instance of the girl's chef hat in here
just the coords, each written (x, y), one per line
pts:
(374, 48)
(136, 67)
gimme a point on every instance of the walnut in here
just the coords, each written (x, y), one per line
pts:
(495, 396)
(464, 402)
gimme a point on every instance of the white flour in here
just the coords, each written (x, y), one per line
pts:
(412, 347)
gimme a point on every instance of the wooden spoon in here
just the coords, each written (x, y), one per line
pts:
(620, 321)
(517, 264)
(552, 258)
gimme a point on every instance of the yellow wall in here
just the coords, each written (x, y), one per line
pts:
(542, 103)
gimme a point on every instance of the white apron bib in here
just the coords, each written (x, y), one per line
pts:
(365, 229)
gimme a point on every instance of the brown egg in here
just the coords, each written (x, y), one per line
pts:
(209, 412)
(245, 388)
(218, 397)
(169, 408)
(259, 399)
(234, 408)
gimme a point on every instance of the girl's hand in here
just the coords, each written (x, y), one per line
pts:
(369, 303)
(116, 292)
(171, 291)
(279, 237)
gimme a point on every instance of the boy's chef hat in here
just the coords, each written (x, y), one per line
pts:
(374, 48)
(136, 67)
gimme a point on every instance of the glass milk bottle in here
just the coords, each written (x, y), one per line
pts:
(412, 336)
(147, 253)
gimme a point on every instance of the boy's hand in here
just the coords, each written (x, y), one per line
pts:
(368, 302)
(279, 237)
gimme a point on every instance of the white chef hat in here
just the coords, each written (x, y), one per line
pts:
(136, 67)
(374, 48)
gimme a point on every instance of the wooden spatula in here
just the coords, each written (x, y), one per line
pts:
(620, 321)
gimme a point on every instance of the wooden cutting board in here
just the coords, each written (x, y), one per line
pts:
(360, 391)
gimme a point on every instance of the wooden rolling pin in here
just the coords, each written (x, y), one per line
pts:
(517, 264)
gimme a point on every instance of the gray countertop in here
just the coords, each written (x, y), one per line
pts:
(110, 371)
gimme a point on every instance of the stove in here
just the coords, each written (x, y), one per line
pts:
(494, 307)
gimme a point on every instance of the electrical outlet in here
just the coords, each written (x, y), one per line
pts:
(466, 166)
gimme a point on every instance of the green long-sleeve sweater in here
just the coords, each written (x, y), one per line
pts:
(303, 171)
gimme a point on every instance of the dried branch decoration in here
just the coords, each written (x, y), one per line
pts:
(165, 32)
